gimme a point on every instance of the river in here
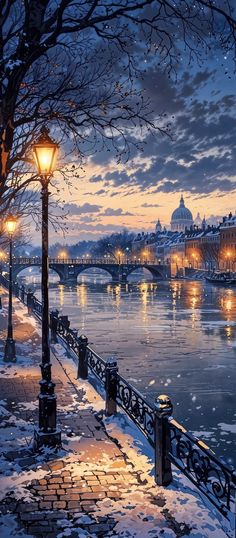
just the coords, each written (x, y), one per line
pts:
(173, 337)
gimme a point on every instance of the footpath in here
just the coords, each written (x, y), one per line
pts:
(100, 483)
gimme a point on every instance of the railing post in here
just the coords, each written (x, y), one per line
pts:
(111, 386)
(30, 301)
(83, 363)
(22, 293)
(163, 410)
(65, 321)
(54, 319)
(16, 289)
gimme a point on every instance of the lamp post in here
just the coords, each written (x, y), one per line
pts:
(45, 153)
(10, 351)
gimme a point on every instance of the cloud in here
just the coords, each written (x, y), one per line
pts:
(115, 212)
(150, 205)
(75, 209)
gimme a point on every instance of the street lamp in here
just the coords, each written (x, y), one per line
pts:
(45, 153)
(228, 254)
(145, 256)
(10, 351)
(63, 254)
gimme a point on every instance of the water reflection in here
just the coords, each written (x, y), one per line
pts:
(176, 337)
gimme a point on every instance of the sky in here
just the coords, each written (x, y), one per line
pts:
(196, 160)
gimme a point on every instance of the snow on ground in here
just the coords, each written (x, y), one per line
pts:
(134, 517)
(131, 513)
(9, 527)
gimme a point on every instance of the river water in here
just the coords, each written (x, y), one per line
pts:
(172, 337)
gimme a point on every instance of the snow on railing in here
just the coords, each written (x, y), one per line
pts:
(172, 443)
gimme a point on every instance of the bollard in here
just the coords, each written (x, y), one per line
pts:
(54, 319)
(83, 363)
(111, 386)
(163, 410)
(0, 303)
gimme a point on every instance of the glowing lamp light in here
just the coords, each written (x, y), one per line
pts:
(45, 152)
(11, 223)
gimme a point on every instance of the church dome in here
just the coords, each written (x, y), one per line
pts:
(181, 217)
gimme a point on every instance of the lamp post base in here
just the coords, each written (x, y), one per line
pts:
(10, 351)
(49, 439)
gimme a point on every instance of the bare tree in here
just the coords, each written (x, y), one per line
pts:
(76, 65)
(113, 244)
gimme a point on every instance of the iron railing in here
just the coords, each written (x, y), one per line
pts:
(135, 405)
(124, 260)
(193, 457)
(199, 463)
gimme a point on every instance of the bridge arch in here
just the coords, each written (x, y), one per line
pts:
(17, 269)
(104, 271)
(156, 272)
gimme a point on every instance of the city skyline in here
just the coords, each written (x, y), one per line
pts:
(198, 160)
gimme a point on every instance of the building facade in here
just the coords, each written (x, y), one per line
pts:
(197, 246)
(227, 255)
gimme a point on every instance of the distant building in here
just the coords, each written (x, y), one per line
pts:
(202, 246)
(197, 245)
(228, 243)
(181, 218)
(198, 221)
(158, 226)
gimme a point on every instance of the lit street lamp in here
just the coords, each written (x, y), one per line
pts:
(119, 255)
(45, 153)
(63, 255)
(228, 255)
(10, 351)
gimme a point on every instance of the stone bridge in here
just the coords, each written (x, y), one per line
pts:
(69, 269)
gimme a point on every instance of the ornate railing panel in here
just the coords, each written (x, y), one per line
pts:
(37, 307)
(69, 337)
(197, 461)
(96, 364)
(138, 409)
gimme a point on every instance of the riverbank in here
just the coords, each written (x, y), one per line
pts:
(100, 483)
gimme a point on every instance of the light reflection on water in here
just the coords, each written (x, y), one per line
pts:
(176, 337)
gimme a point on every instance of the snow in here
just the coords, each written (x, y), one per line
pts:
(135, 513)
(9, 527)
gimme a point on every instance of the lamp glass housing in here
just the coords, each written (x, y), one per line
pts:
(11, 223)
(45, 157)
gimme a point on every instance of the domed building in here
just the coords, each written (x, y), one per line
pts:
(181, 218)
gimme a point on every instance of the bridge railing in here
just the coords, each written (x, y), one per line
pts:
(36, 260)
(172, 443)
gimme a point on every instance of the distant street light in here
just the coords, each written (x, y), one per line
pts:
(63, 254)
(45, 153)
(228, 256)
(10, 351)
(145, 254)
(119, 255)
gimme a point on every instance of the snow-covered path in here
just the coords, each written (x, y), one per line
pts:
(100, 483)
